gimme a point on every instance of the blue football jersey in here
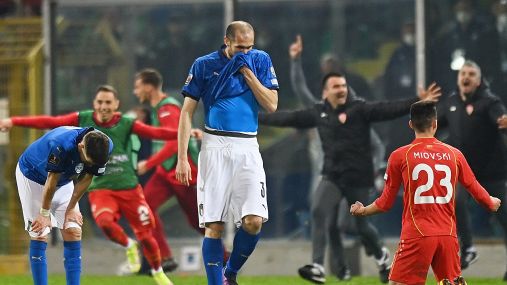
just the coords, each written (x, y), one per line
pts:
(56, 151)
(229, 104)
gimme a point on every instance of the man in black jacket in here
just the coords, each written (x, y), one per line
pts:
(343, 122)
(472, 115)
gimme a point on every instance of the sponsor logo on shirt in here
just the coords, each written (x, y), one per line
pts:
(53, 159)
(189, 78)
(216, 73)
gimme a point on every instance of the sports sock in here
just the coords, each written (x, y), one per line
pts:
(212, 254)
(151, 251)
(111, 229)
(244, 244)
(38, 262)
(72, 261)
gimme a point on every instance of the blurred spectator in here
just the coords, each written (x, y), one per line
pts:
(499, 9)
(400, 82)
(7, 7)
(169, 52)
(32, 8)
(467, 36)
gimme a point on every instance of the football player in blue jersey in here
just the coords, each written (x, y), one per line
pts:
(52, 175)
(232, 83)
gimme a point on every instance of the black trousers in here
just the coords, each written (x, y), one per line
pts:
(325, 208)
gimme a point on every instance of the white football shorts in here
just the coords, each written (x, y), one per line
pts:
(230, 179)
(30, 195)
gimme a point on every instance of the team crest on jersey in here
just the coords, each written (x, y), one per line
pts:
(79, 167)
(470, 109)
(189, 78)
(342, 118)
(53, 159)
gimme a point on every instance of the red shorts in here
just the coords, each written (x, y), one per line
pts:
(131, 203)
(414, 257)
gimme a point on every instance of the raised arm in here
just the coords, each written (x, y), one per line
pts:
(305, 118)
(297, 76)
(40, 122)
(150, 132)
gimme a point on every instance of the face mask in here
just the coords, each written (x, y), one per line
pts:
(408, 39)
(463, 17)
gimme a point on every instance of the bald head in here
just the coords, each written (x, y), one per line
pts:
(239, 37)
(238, 28)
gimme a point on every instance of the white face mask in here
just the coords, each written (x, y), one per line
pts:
(408, 39)
(463, 17)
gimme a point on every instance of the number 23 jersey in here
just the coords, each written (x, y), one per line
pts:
(429, 171)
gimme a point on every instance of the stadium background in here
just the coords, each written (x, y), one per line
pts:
(107, 41)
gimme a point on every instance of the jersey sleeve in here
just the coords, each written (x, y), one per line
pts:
(56, 157)
(266, 72)
(393, 179)
(467, 178)
(194, 84)
(46, 122)
(151, 132)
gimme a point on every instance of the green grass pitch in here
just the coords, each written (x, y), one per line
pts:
(200, 280)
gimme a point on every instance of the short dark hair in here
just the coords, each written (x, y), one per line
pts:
(329, 75)
(422, 114)
(107, 88)
(150, 76)
(235, 26)
(97, 147)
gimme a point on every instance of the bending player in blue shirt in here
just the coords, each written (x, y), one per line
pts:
(45, 175)
(232, 82)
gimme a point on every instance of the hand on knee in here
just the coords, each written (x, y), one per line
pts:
(71, 234)
(252, 224)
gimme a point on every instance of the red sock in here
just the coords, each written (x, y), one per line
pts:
(111, 229)
(150, 248)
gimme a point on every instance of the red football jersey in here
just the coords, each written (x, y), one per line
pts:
(429, 171)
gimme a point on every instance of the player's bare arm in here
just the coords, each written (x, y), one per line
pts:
(358, 209)
(73, 215)
(432, 93)
(267, 98)
(183, 170)
(43, 220)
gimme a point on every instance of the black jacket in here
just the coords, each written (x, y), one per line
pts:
(345, 134)
(474, 131)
